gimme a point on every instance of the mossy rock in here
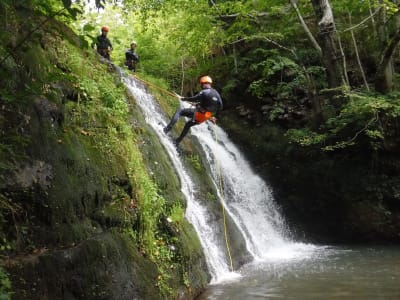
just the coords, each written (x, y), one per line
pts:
(107, 266)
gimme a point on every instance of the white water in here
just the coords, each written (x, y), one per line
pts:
(196, 214)
(246, 197)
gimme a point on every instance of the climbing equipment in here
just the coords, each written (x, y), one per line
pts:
(133, 43)
(205, 79)
(200, 117)
(156, 86)
(221, 189)
(105, 28)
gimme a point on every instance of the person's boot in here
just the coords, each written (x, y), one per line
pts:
(176, 142)
(166, 129)
(177, 146)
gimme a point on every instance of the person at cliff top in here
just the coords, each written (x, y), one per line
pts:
(131, 57)
(208, 103)
(103, 44)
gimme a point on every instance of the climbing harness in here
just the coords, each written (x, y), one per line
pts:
(200, 117)
(222, 202)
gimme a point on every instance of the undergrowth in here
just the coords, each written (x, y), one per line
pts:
(365, 119)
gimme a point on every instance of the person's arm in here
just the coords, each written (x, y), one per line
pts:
(94, 42)
(217, 112)
(196, 98)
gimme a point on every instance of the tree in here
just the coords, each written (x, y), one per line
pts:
(385, 69)
(328, 40)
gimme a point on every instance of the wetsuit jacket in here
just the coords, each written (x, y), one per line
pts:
(130, 54)
(103, 42)
(208, 99)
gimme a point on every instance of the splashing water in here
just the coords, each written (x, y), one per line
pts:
(248, 199)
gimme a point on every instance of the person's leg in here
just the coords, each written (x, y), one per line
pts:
(186, 112)
(185, 130)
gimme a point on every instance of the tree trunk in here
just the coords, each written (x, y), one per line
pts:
(385, 69)
(382, 84)
(332, 58)
(372, 19)
(384, 73)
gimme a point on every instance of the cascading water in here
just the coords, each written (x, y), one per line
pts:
(197, 214)
(245, 196)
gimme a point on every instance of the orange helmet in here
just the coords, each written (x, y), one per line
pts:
(205, 79)
(105, 28)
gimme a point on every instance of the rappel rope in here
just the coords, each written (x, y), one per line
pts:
(156, 86)
(218, 171)
(222, 202)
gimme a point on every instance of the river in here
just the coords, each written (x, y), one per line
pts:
(327, 273)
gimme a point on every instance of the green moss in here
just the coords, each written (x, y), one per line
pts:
(96, 190)
(5, 286)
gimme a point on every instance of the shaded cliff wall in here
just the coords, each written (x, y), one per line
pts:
(345, 196)
(81, 218)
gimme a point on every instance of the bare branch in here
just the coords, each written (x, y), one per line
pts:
(363, 21)
(305, 27)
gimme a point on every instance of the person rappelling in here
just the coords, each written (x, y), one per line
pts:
(208, 103)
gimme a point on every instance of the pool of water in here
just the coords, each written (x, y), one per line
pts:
(329, 273)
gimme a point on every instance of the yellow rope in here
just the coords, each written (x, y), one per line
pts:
(155, 86)
(222, 204)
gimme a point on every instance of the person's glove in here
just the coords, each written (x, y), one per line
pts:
(213, 119)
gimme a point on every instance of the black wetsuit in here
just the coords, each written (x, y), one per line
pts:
(103, 46)
(207, 99)
(131, 59)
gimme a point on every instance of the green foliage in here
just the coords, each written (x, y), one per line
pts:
(305, 137)
(365, 119)
(101, 114)
(196, 162)
(211, 197)
(5, 286)
(276, 111)
(177, 213)
(6, 208)
(49, 7)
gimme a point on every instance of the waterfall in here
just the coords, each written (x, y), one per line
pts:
(246, 197)
(197, 214)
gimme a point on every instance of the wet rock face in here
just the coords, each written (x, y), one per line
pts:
(104, 267)
(38, 172)
(49, 112)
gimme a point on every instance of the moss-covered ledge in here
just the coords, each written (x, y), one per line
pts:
(106, 266)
